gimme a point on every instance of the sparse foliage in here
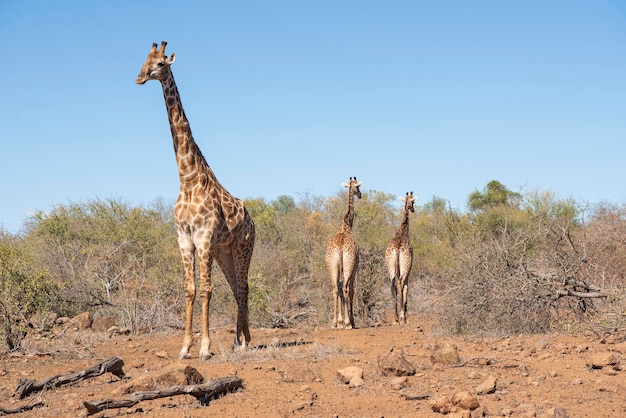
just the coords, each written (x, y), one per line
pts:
(513, 264)
(24, 292)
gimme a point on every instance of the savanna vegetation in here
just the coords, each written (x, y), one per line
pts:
(511, 263)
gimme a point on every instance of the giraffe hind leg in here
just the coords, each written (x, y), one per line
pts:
(394, 297)
(225, 260)
(405, 294)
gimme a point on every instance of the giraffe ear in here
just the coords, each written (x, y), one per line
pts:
(170, 60)
(345, 184)
(414, 199)
(359, 184)
(401, 198)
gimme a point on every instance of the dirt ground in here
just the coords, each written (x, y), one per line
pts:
(293, 372)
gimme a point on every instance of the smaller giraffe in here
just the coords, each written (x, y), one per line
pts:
(342, 259)
(399, 260)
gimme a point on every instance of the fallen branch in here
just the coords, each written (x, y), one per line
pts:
(581, 295)
(112, 365)
(204, 393)
(19, 410)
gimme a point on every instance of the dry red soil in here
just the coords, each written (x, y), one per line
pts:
(293, 372)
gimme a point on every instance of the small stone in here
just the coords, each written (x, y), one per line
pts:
(487, 386)
(102, 323)
(465, 400)
(394, 363)
(478, 412)
(399, 383)
(355, 382)
(441, 404)
(600, 360)
(347, 374)
(445, 355)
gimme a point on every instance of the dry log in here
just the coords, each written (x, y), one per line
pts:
(19, 410)
(112, 365)
(204, 393)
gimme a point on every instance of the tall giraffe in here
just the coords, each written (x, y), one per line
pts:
(342, 258)
(210, 222)
(399, 259)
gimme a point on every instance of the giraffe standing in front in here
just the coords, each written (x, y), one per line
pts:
(342, 258)
(210, 222)
(399, 259)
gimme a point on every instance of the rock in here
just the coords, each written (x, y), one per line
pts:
(50, 319)
(349, 373)
(465, 400)
(478, 412)
(302, 405)
(441, 404)
(81, 321)
(61, 320)
(300, 375)
(161, 354)
(103, 323)
(459, 413)
(600, 360)
(487, 386)
(555, 412)
(446, 356)
(394, 363)
(355, 382)
(114, 330)
(176, 374)
(399, 383)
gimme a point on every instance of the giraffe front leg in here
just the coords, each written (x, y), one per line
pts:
(190, 296)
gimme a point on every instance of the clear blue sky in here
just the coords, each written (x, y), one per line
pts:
(292, 97)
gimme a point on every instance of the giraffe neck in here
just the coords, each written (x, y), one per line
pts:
(192, 167)
(349, 217)
(404, 225)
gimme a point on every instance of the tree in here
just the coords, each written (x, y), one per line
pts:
(24, 292)
(494, 194)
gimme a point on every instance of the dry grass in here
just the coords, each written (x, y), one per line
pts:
(282, 350)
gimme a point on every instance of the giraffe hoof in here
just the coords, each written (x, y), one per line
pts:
(206, 357)
(184, 356)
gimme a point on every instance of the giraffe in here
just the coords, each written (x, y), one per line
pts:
(342, 258)
(399, 259)
(210, 222)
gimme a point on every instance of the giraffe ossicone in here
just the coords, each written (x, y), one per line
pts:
(211, 224)
(399, 260)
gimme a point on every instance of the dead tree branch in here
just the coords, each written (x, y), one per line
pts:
(19, 410)
(204, 393)
(113, 365)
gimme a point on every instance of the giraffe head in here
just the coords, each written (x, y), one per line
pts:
(353, 186)
(157, 65)
(408, 200)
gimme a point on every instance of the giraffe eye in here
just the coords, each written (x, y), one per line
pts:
(161, 64)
